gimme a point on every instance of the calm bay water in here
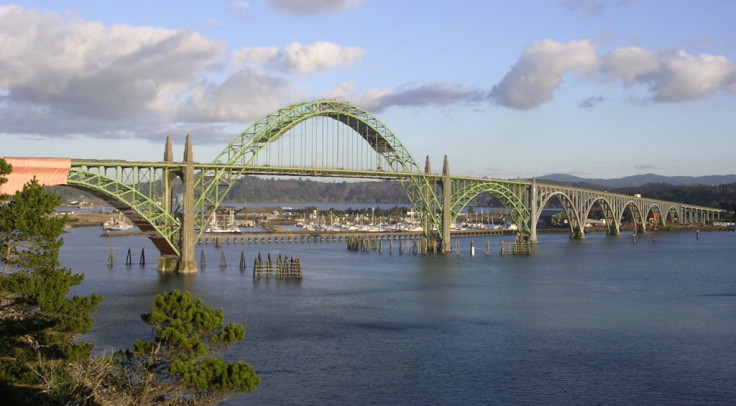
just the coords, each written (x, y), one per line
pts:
(598, 321)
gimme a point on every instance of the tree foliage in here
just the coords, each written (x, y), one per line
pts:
(5, 169)
(255, 189)
(38, 322)
(720, 196)
(177, 366)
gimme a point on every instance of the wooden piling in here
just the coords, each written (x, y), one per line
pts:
(142, 260)
(242, 261)
(128, 259)
(223, 263)
(109, 258)
(284, 268)
(515, 248)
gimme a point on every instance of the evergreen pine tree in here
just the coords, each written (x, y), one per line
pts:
(177, 366)
(38, 322)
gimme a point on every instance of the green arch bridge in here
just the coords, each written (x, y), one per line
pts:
(327, 138)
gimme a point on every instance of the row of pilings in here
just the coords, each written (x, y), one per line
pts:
(423, 246)
(281, 268)
(286, 268)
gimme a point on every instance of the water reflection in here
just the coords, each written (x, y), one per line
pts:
(587, 322)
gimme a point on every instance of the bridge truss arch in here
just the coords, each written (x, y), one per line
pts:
(137, 190)
(577, 204)
(393, 160)
(513, 197)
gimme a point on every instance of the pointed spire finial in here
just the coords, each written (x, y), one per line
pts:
(188, 153)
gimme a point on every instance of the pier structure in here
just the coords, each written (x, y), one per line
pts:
(328, 139)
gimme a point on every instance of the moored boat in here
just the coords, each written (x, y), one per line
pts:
(116, 224)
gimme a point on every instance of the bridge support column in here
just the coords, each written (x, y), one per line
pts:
(446, 207)
(577, 233)
(186, 263)
(534, 212)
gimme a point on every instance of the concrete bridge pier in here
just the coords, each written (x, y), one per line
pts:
(186, 262)
(641, 228)
(446, 207)
(534, 213)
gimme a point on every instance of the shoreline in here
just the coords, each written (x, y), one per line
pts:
(92, 219)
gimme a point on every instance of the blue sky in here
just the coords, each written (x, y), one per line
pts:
(506, 89)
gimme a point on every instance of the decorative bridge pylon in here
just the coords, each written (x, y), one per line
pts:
(326, 138)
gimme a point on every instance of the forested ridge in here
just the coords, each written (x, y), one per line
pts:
(719, 196)
(252, 189)
(258, 190)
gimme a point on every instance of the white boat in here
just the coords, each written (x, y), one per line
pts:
(116, 224)
(216, 227)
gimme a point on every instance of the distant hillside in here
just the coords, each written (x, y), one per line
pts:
(253, 189)
(639, 180)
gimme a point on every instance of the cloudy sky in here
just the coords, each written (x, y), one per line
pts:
(594, 88)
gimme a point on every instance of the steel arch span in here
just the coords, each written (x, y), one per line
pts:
(572, 214)
(214, 184)
(139, 199)
(577, 204)
(512, 195)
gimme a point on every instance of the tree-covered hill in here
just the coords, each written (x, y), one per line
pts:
(252, 189)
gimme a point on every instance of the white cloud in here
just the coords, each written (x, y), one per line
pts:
(434, 94)
(535, 76)
(630, 64)
(64, 75)
(300, 59)
(684, 77)
(238, 5)
(246, 95)
(88, 69)
(258, 56)
(594, 8)
(306, 7)
(589, 7)
(671, 76)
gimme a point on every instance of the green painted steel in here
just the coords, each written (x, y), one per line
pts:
(136, 190)
(143, 190)
(513, 197)
(214, 184)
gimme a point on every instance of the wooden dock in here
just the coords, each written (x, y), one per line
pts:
(335, 236)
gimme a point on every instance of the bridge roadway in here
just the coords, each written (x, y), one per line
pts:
(524, 199)
(144, 191)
